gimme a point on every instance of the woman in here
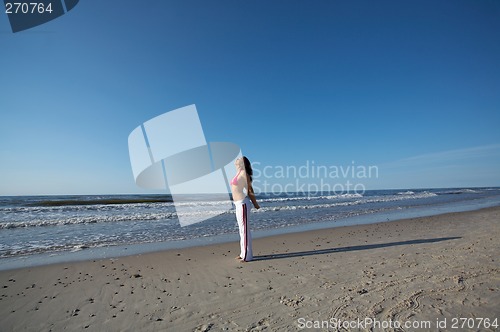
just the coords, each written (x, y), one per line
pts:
(243, 181)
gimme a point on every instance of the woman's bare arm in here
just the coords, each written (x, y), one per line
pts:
(251, 193)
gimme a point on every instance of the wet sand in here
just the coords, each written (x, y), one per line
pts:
(417, 270)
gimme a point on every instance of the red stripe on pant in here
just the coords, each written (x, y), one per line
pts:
(245, 230)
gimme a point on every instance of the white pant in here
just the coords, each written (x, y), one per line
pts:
(242, 209)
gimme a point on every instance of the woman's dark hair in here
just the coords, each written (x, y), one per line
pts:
(248, 167)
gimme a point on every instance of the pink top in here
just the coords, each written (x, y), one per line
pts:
(234, 181)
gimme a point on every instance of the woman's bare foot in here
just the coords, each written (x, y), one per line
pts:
(237, 257)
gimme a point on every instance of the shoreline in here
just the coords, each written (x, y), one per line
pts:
(124, 250)
(426, 268)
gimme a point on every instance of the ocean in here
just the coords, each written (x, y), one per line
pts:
(38, 230)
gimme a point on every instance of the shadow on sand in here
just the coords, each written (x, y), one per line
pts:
(351, 248)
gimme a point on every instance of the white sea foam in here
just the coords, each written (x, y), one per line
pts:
(74, 220)
(458, 191)
(309, 198)
(375, 199)
(409, 192)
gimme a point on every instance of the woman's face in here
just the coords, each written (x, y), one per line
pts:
(238, 163)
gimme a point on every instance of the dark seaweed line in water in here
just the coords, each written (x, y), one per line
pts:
(108, 201)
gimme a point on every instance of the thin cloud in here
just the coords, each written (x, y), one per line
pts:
(467, 153)
(464, 155)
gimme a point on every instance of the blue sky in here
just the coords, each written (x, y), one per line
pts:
(412, 87)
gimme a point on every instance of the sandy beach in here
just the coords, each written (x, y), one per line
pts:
(434, 269)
